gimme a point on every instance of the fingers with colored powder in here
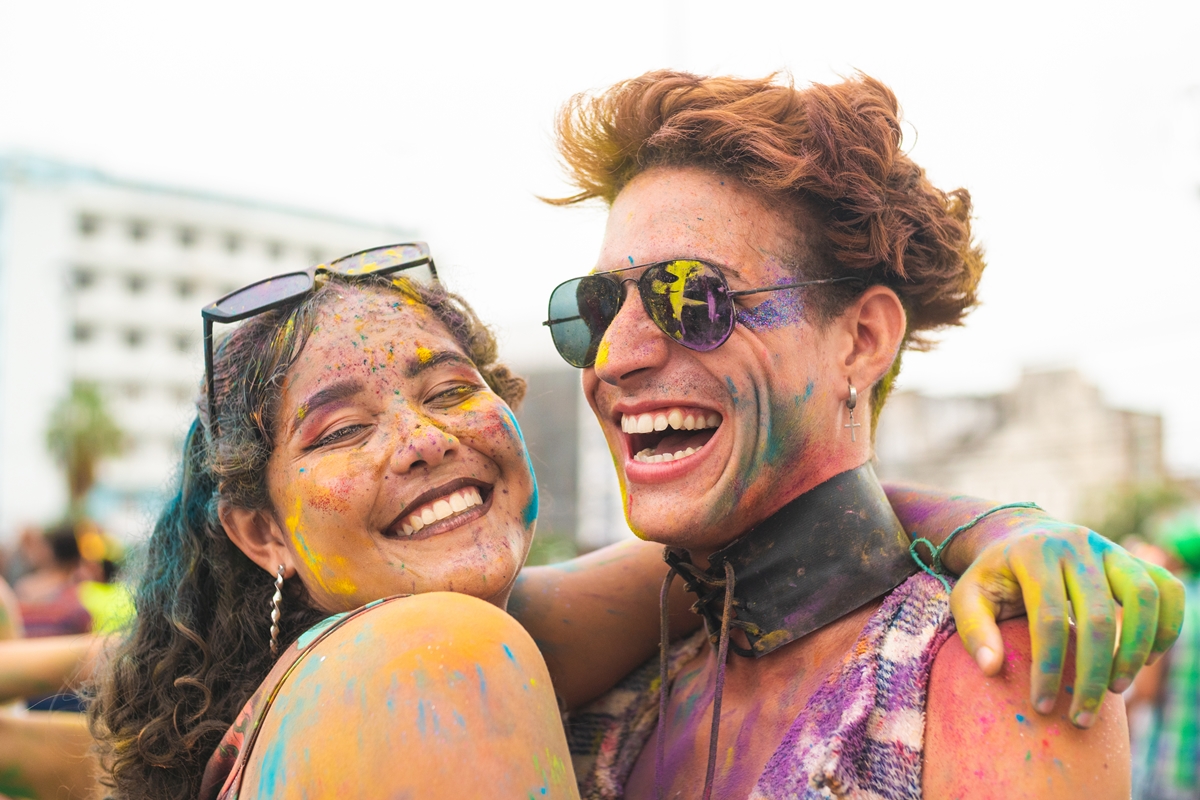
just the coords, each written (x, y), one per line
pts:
(1138, 595)
(1095, 628)
(1052, 573)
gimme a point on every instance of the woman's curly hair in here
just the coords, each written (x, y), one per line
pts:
(830, 152)
(200, 644)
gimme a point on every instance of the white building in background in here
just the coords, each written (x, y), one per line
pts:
(1052, 440)
(103, 279)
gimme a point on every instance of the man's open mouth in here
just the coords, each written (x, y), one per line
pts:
(442, 508)
(669, 434)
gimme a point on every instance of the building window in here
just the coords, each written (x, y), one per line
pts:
(314, 256)
(83, 278)
(138, 230)
(132, 390)
(135, 283)
(182, 394)
(185, 288)
(183, 342)
(275, 250)
(233, 242)
(187, 237)
(88, 224)
(134, 337)
(82, 332)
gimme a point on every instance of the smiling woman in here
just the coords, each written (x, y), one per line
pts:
(364, 452)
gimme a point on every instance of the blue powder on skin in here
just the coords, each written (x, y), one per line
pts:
(777, 311)
(529, 515)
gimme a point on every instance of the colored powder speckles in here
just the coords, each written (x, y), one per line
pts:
(482, 680)
(1022, 719)
(778, 311)
(808, 390)
(508, 652)
(314, 561)
(424, 354)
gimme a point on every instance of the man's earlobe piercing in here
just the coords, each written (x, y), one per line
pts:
(851, 402)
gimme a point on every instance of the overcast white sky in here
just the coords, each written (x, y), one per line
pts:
(1076, 126)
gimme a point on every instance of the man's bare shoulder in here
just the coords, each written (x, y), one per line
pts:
(983, 738)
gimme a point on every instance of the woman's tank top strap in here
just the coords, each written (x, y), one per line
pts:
(223, 773)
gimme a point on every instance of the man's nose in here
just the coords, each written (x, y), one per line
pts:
(632, 343)
(425, 444)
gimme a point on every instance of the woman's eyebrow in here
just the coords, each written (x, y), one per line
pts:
(429, 360)
(333, 393)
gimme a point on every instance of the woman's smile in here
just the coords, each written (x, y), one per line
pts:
(445, 508)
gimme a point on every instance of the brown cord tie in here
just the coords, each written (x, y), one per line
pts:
(727, 586)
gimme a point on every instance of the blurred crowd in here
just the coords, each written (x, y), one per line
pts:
(60, 581)
(1164, 701)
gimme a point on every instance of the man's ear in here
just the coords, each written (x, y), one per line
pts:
(258, 535)
(877, 324)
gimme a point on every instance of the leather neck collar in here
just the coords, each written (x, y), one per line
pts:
(830, 551)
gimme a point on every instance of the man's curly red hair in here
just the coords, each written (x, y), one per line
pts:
(831, 152)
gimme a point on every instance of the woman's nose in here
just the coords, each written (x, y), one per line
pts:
(425, 445)
(632, 343)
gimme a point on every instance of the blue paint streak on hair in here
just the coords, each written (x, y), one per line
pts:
(530, 513)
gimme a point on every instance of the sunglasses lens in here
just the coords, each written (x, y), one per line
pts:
(580, 312)
(260, 295)
(382, 259)
(690, 302)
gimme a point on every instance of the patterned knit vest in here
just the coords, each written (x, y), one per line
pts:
(861, 735)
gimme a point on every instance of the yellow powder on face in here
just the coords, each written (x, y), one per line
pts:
(316, 563)
(424, 354)
(602, 354)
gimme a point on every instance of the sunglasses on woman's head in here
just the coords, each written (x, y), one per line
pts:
(688, 300)
(412, 258)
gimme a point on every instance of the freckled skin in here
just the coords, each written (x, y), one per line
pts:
(342, 473)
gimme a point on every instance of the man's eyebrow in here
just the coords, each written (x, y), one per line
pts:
(429, 360)
(333, 393)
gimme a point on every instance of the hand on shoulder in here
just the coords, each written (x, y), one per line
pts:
(983, 738)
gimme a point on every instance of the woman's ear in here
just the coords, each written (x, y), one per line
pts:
(877, 324)
(256, 533)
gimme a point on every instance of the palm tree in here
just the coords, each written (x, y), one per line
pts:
(80, 434)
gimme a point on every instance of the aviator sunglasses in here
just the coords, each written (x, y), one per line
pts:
(688, 300)
(413, 258)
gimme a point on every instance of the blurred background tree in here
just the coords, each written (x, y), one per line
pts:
(1133, 509)
(81, 433)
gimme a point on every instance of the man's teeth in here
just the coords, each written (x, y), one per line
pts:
(676, 419)
(647, 456)
(440, 509)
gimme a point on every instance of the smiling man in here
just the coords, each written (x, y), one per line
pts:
(769, 254)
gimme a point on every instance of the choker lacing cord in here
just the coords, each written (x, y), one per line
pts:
(715, 587)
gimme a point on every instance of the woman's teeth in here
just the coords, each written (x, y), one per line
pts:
(440, 509)
(676, 418)
(647, 456)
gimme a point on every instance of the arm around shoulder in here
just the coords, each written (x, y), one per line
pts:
(983, 738)
(436, 695)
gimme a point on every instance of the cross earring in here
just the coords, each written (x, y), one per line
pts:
(851, 402)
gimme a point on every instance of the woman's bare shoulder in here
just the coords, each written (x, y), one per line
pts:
(983, 738)
(446, 679)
